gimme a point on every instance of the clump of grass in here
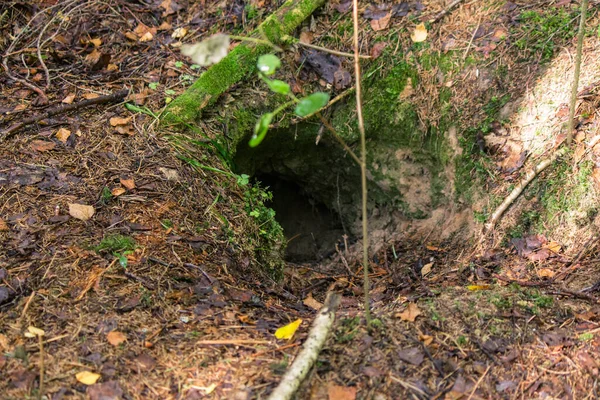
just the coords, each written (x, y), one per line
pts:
(116, 244)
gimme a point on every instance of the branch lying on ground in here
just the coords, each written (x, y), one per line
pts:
(520, 187)
(308, 355)
(109, 98)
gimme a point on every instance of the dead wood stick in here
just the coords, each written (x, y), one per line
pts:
(109, 98)
(445, 11)
(310, 350)
(529, 176)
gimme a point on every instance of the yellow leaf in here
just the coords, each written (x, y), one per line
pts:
(69, 99)
(410, 314)
(475, 288)
(87, 377)
(35, 331)
(179, 33)
(63, 134)
(116, 338)
(419, 34)
(96, 42)
(553, 247)
(286, 332)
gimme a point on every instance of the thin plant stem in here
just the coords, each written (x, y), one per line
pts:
(256, 40)
(571, 122)
(326, 50)
(363, 164)
(41, 389)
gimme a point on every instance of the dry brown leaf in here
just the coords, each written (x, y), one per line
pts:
(378, 49)
(306, 37)
(410, 314)
(112, 67)
(335, 392)
(63, 134)
(553, 247)
(144, 32)
(93, 57)
(426, 269)
(4, 346)
(19, 107)
(3, 225)
(42, 145)
(117, 191)
(381, 23)
(309, 301)
(69, 99)
(81, 211)
(96, 42)
(89, 96)
(116, 121)
(419, 34)
(426, 339)
(116, 338)
(129, 183)
(545, 273)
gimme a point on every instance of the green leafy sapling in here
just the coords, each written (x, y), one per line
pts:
(216, 47)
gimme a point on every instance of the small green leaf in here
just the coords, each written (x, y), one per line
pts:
(153, 85)
(311, 104)
(178, 64)
(278, 86)
(169, 92)
(268, 64)
(260, 130)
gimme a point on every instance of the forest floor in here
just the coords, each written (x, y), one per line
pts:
(132, 260)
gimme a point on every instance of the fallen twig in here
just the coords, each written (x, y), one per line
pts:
(63, 109)
(308, 355)
(445, 11)
(529, 176)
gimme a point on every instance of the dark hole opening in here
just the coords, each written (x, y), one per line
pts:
(312, 229)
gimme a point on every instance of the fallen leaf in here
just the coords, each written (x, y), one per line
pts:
(410, 314)
(545, 273)
(475, 288)
(87, 377)
(33, 331)
(169, 173)
(411, 355)
(42, 145)
(426, 339)
(419, 34)
(144, 32)
(378, 49)
(179, 33)
(3, 225)
(96, 42)
(426, 269)
(89, 96)
(116, 338)
(288, 331)
(309, 301)
(81, 211)
(69, 99)
(93, 57)
(145, 362)
(382, 23)
(118, 191)
(128, 183)
(306, 37)
(429, 246)
(105, 391)
(553, 247)
(116, 121)
(63, 135)
(335, 392)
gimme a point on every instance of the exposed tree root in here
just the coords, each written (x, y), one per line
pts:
(308, 355)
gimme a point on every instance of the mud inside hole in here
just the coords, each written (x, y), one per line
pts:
(311, 229)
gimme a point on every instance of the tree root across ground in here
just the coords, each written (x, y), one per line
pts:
(154, 296)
